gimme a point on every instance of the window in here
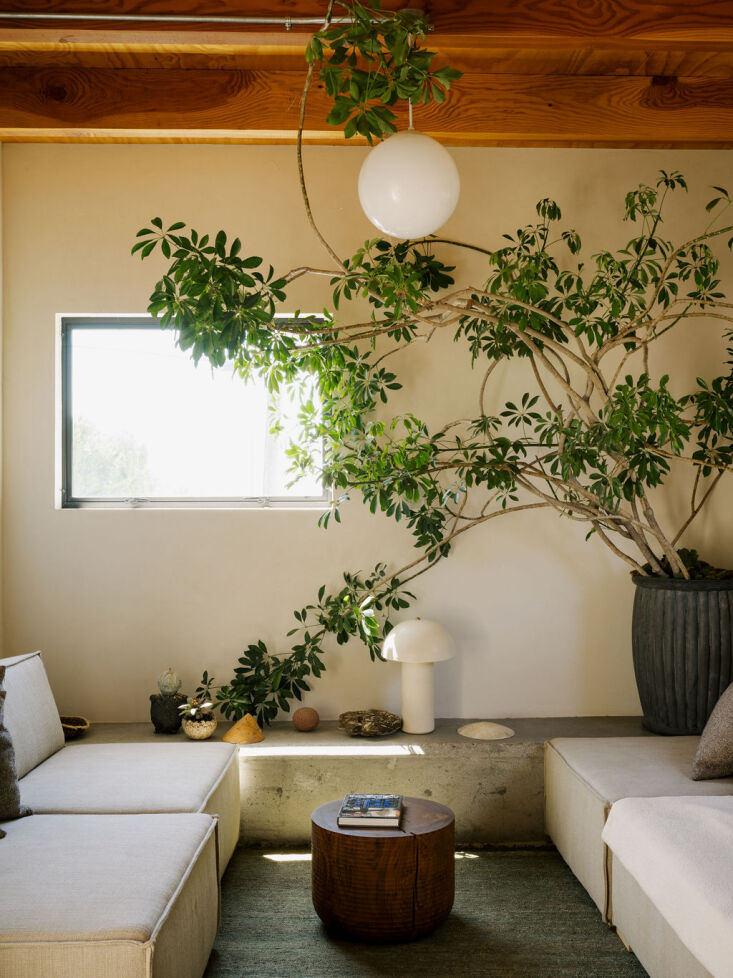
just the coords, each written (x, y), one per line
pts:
(142, 425)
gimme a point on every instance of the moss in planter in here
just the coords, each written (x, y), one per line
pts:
(700, 570)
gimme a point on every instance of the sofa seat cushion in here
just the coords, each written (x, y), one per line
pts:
(638, 767)
(127, 778)
(96, 896)
(584, 776)
(31, 716)
(135, 778)
(680, 853)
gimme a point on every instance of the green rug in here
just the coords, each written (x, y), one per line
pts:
(517, 914)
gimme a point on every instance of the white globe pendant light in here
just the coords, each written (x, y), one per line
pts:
(409, 185)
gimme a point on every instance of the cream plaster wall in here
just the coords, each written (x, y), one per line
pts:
(542, 619)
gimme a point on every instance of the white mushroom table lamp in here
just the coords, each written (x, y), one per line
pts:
(416, 644)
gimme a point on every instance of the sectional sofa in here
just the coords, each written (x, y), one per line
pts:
(653, 847)
(116, 873)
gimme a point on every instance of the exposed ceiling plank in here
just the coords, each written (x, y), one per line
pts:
(241, 106)
(268, 49)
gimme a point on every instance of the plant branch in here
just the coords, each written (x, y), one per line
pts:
(450, 241)
(299, 150)
(696, 508)
(669, 551)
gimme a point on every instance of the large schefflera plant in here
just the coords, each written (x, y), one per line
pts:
(594, 439)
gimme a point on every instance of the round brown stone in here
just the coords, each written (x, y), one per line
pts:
(306, 718)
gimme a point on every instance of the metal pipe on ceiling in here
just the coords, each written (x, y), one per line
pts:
(286, 22)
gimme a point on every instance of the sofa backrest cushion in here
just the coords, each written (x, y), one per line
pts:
(31, 717)
(10, 806)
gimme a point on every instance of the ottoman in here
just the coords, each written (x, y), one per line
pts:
(672, 864)
(108, 896)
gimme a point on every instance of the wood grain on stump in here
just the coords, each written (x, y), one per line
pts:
(384, 885)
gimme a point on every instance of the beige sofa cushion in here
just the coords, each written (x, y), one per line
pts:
(31, 716)
(642, 928)
(584, 776)
(112, 896)
(149, 778)
(680, 853)
(639, 767)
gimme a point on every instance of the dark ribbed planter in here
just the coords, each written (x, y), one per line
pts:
(682, 640)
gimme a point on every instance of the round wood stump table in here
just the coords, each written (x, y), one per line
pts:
(384, 885)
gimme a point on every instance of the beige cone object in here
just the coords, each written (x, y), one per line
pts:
(244, 731)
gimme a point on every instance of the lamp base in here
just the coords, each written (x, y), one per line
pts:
(418, 711)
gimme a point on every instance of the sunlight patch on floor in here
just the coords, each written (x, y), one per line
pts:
(339, 750)
(305, 857)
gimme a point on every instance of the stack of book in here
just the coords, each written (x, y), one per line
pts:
(370, 811)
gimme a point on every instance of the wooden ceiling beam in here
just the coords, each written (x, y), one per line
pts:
(257, 106)
(271, 50)
(536, 72)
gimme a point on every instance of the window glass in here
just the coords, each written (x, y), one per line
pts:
(143, 422)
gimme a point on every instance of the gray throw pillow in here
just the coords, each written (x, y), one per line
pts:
(10, 806)
(714, 757)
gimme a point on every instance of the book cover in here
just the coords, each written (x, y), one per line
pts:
(370, 811)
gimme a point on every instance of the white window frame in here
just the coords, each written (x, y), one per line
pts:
(65, 325)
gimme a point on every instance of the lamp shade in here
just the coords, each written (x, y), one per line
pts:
(409, 185)
(418, 640)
